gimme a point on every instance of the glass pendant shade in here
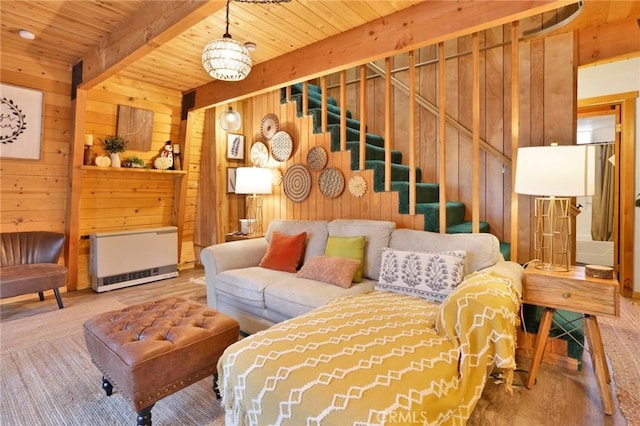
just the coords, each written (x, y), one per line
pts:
(230, 120)
(226, 59)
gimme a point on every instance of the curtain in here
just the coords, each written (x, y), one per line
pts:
(602, 214)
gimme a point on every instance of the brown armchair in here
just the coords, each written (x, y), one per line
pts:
(29, 264)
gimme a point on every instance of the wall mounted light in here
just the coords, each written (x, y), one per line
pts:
(230, 120)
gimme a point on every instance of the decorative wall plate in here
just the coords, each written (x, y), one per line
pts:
(317, 158)
(331, 182)
(259, 154)
(276, 177)
(269, 126)
(297, 183)
(357, 186)
(281, 146)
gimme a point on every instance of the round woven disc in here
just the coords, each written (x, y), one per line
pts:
(276, 177)
(357, 186)
(259, 154)
(297, 183)
(281, 146)
(331, 182)
(269, 126)
(317, 158)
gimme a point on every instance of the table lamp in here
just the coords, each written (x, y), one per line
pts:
(253, 181)
(554, 173)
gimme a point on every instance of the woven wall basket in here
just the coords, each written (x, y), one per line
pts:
(317, 158)
(281, 146)
(297, 183)
(331, 183)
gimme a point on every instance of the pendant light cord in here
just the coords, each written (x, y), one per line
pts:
(226, 33)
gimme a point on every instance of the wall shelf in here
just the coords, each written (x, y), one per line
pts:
(131, 170)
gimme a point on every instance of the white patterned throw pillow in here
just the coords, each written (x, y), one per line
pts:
(430, 276)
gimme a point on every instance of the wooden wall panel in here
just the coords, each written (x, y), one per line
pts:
(116, 200)
(33, 193)
(538, 84)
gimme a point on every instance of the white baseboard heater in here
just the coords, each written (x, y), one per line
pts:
(123, 259)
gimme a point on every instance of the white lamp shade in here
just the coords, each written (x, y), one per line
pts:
(253, 180)
(558, 170)
(226, 59)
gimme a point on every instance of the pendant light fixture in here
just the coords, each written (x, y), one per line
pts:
(226, 59)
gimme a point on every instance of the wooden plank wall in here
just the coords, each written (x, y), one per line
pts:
(537, 72)
(541, 75)
(124, 199)
(34, 192)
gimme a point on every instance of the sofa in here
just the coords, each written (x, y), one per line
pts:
(258, 297)
(374, 352)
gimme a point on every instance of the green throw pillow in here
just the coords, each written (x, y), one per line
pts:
(349, 247)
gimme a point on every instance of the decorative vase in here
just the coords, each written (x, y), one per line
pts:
(115, 159)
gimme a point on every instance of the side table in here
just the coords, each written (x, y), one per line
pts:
(239, 237)
(573, 291)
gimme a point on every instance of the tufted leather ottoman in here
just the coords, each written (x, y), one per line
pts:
(151, 350)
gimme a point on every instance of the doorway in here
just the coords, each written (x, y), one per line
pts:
(624, 157)
(595, 223)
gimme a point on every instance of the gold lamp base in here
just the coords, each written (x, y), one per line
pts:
(553, 233)
(254, 214)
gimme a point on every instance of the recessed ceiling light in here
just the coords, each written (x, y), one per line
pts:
(251, 46)
(26, 34)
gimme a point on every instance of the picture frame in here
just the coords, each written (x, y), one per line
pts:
(231, 180)
(20, 122)
(235, 146)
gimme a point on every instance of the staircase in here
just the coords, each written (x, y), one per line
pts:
(427, 194)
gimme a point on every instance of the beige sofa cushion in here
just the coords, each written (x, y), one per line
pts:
(291, 297)
(377, 233)
(316, 230)
(483, 250)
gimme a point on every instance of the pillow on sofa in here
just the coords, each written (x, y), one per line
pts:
(349, 247)
(430, 276)
(333, 270)
(284, 252)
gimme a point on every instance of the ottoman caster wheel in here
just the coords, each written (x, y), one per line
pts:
(107, 386)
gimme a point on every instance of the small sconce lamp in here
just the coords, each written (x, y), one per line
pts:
(230, 120)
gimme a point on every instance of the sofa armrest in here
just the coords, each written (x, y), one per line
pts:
(233, 255)
(512, 270)
(480, 317)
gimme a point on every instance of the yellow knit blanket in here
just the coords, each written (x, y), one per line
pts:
(377, 358)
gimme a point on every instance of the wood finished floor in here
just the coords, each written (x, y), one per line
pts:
(560, 397)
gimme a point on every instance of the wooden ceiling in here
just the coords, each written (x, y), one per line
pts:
(68, 31)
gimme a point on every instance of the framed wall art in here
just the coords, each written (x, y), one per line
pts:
(235, 147)
(231, 180)
(136, 126)
(20, 122)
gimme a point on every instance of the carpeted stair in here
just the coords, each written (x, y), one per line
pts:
(427, 202)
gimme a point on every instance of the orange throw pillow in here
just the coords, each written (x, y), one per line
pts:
(284, 252)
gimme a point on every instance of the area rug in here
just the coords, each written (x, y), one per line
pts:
(48, 378)
(621, 338)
